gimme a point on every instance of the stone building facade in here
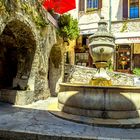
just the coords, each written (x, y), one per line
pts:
(123, 21)
(27, 36)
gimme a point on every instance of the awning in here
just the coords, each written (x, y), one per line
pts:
(60, 6)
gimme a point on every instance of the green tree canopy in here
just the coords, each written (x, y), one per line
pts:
(68, 27)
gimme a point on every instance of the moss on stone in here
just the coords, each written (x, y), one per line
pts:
(56, 56)
(36, 16)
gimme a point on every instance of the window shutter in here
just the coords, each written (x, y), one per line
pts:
(99, 4)
(81, 5)
(125, 8)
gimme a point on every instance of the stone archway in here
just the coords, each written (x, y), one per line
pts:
(17, 49)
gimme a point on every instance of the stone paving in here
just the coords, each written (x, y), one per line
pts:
(34, 122)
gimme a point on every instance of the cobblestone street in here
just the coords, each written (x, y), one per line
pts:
(34, 122)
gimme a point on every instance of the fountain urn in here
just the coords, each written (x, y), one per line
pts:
(101, 45)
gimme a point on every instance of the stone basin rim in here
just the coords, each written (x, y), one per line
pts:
(100, 87)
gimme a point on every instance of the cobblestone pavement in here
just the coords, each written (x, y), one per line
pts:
(34, 119)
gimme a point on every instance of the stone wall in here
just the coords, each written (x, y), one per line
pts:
(126, 26)
(82, 75)
(116, 9)
(33, 18)
(56, 68)
(88, 20)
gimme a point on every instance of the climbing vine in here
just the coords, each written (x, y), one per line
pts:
(124, 27)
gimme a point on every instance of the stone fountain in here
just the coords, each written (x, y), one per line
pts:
(99, 102)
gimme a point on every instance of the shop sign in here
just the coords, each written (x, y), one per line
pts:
(134, 39)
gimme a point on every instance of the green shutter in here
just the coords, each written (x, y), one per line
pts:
(100, 4)
(81, 5)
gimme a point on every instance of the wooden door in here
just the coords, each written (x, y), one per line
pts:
(123, 58)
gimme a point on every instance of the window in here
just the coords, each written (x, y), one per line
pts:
(84, 40)
(81, 59)
(92, 4)
(85, 5)
(123, 58)
(131, 9)
(134, 8)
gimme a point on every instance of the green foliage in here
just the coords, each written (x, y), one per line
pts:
(36, 16)
(110, 65)
(124, 27)
(51, 11)
(68, 27)
(3, 9)
(136, 71)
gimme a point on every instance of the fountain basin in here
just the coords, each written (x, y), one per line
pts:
(112, 102)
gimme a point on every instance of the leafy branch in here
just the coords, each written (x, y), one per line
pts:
(68, 27)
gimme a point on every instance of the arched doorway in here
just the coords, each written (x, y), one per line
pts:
(17, 48)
